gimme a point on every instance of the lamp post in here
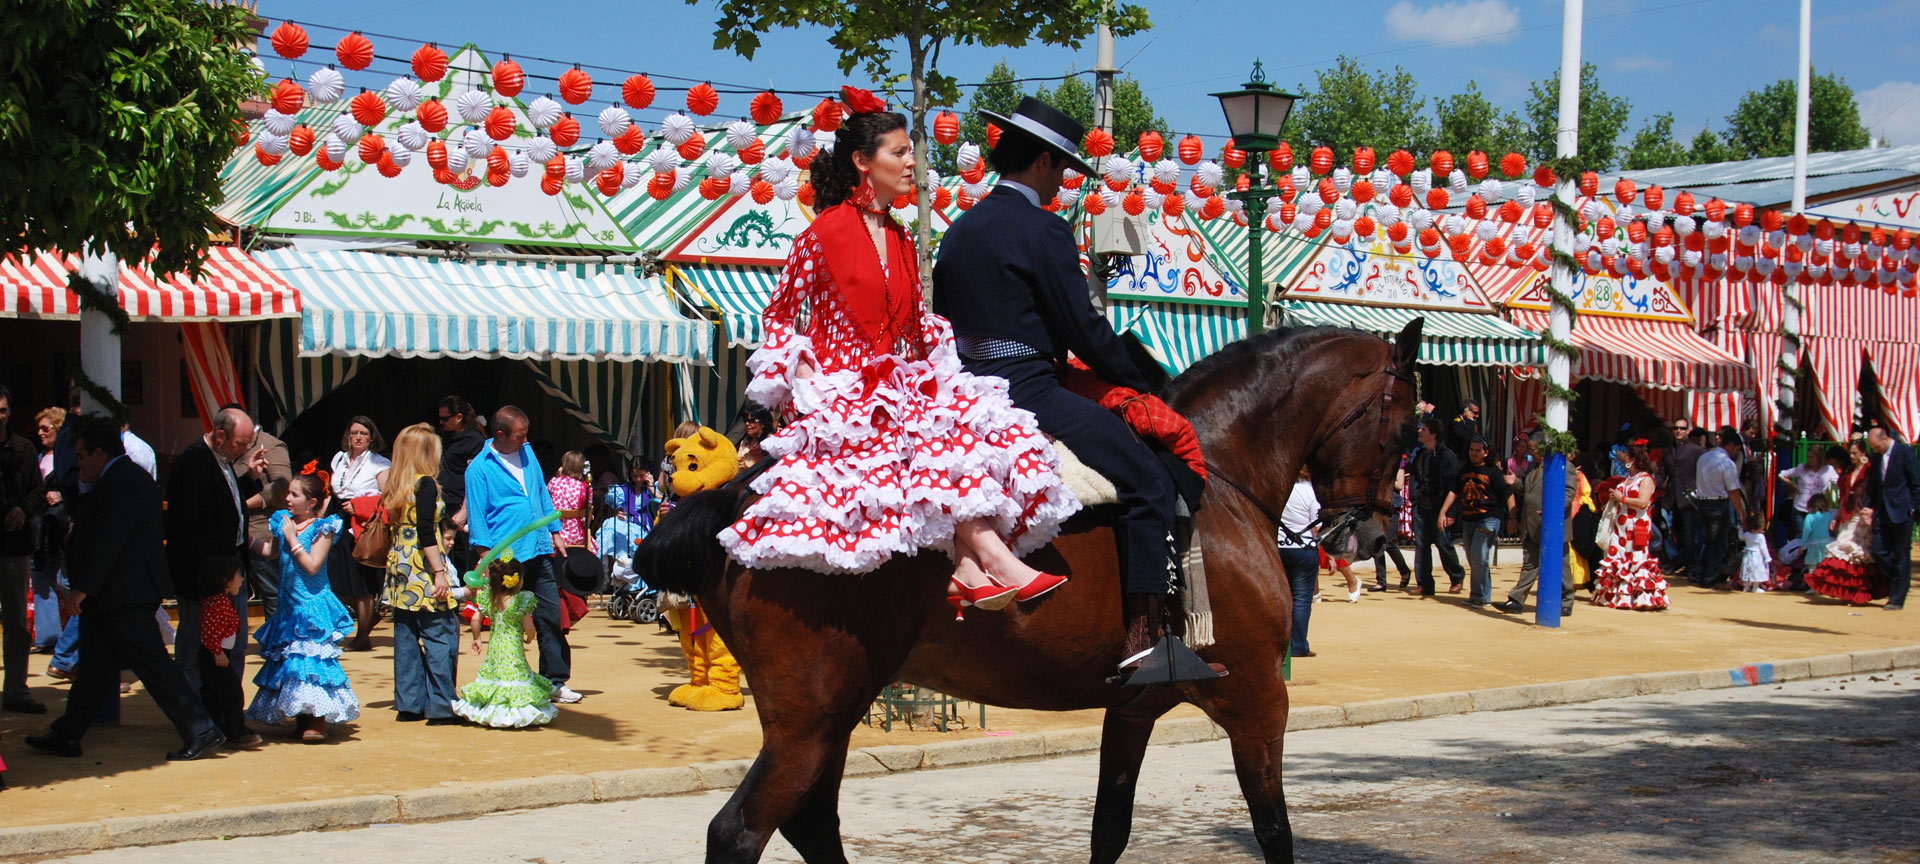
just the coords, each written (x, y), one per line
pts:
(1255, 113)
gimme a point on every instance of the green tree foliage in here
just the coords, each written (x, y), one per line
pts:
(1468, 122)
(1762, 124)
(866, 33)
(115, 119)
(1654, 147)
(1603, 117)
(1350, 106)
(1709, 147)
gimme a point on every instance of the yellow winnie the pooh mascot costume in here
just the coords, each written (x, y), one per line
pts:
(701, 461)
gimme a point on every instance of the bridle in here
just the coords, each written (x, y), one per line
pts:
(1348, 511)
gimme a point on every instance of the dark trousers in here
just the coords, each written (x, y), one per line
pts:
(1686, 538)
(16, 573)
(186, 642)
(220, 695)
(1105, 443)
(263, 578)
(1530, 576)
(1719, 542)
(556, 656)
(115, 639)
(1427, 533)
(1303, 576)
(1380, 565)
(426, 654)
(1893, 549)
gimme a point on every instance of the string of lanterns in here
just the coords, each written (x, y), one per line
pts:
(1457, 207)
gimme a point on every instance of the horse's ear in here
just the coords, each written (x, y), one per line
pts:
(1406, 346)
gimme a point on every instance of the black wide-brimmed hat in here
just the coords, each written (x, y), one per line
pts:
(1044, 124)
(583, 573)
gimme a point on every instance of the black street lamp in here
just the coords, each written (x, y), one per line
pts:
(1255, 114)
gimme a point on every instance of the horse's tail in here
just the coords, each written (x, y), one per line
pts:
(684, 549)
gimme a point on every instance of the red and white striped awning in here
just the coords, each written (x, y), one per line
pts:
(232, 286)
(1665, 355)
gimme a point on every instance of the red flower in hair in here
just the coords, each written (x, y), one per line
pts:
(862, 101)
(1639, 442)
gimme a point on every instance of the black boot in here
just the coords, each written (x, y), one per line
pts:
(1152, 655)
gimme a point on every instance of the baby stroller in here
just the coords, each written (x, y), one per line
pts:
(632, 598)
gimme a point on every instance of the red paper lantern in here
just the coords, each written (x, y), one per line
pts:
(354, 51)
(1288, 213)
(1364, 226)
(946, 128)
(265, 157)
(1400, 162)
(429, 63)
(1589, 184)
(1073, 182)
(508, 78)
(371, 148)
(1093, 204)
(660, 186)
(548, 185)
(637, 91)
(630, 141)
(289, 40)
(1511, 211)
(609, 180)
(993, 135)
(499, 123)
(1441, 162)
(1160, 186)
(761, 191)
(300, 140)
(1603, 228)
(1476, 207)
(386, 166)
(497, 160)
(368, 108)
(765, 108)
(942, 197)
(1329, 193)
(1543, 176)
(431, 115)
(321, 159)
(1362, 191)
(1401, 194)
(752, 154)
(1513, 165)
(1134, 204)
(1151, 145)
(1098, 143)
(1397, 232)
(826, 115)
(1436, 198)
(702, 99)
(1233, 157)
(1363, 160)
(1654, 197)
(1190, 149)
(1281, 157)
(1320, 161)
(691, 148)
(965, 201)
(576, 86)
(1477, 165)
(1716, 210)
(1542, 215)
(1683, 203)
(565, 131)
(1323, 219)
(903, 201)
(555, 167)
(443, 177)
(437, 155)
(287, 97)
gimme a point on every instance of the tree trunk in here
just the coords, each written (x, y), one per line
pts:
(923, 197)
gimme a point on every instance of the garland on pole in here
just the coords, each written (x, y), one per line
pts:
(116, 411)
(107, 303)
(1560, 441)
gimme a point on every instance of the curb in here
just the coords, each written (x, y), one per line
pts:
(473, 799)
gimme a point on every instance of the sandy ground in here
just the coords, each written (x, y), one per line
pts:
(1386, 645)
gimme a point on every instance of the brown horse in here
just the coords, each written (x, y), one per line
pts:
(820, 648)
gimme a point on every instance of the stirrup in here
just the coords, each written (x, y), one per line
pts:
(1169, 661)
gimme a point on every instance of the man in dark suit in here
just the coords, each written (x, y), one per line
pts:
(206, 517)
(118, 574)
(1893, 491)
(1009, 280)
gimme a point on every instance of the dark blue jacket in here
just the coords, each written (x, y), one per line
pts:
(1010, 270)
(1898, 494)
(117, 554)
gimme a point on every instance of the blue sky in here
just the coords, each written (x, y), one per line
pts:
(1691, 57)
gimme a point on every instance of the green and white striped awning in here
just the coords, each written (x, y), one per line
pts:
(1447, 338)
(372, 305)
(738, 293)
(1178, 334)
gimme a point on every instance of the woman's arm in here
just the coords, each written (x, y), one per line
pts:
(473, 626)
(1641, 496)
(310, 558)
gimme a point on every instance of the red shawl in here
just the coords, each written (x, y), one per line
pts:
(885, 307)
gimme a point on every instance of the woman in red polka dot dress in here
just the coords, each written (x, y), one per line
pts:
(894, 448)
(1629, 577)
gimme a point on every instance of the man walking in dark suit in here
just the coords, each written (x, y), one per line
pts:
(206, 517)
(1893, 491)
(1009, 280)
(118, 575)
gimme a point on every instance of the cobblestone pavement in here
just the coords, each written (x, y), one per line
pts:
(1811, 771)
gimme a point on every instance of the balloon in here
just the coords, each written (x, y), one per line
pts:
(474, 578)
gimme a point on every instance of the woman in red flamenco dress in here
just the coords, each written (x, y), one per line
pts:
(1849, 572)
(893, 447)
(1629, 576)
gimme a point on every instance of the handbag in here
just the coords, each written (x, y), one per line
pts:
(1604, 534)
(374, 542)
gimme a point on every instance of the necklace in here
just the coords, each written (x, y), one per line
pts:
(894, 339)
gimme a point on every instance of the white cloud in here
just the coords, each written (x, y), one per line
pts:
(1471, 22)
(1640, 63)
(1892, 111)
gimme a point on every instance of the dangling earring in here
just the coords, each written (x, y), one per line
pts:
(863, 193)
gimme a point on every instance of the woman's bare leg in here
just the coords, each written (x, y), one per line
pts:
(994, 555)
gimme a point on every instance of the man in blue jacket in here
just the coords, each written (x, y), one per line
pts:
(506, 490)
(1893, 491)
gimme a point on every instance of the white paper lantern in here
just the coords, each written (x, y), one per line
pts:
(404, 94)
(456, 159)
(576, 170)
(1301, 178)
(336, 148)
(476, 144)
(401, 157)
(544, 112)
(601, 157)
(630, 177)
(326, 85)
(800, 142)
(614, 120)
(1344, 210)
(277, 123)
(346, 128)
(542, 150)
(518, 164)
(269, 143)
(787, 188)
(412, 136)
(1421, 181)
(1166, 170)
(1342, 180)
(741, 134)
(473, 105)
(677, 128)
(1210, 173)
(662, 160)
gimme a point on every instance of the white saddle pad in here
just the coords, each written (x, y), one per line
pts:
(1090, 487)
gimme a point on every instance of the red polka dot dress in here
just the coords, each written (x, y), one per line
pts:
(1629, 576)
(891, 444)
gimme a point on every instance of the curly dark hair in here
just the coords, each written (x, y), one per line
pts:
(834, 175)
(1637, 455)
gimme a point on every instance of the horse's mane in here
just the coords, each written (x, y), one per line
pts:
(1281, 344)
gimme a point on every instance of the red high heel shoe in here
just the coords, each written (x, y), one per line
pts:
(1040, 585)
(992, 598)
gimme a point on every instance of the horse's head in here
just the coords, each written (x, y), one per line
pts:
(1353, 456)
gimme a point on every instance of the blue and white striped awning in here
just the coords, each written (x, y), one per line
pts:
(1178, 334)
(372, 305)
(738, 293)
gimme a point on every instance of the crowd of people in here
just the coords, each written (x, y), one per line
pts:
(426, 533)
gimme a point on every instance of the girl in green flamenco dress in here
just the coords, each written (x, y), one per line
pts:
(507, 694)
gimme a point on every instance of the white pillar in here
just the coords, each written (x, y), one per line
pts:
(99, 345)
(1790, 308)
(1566, 144)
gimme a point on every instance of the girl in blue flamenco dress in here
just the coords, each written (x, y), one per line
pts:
(301, 679)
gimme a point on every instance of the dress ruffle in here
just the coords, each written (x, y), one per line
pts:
(889, 458)
(507, 703)
(1629, 577)
(300, 671)
(276, 707)
(1849, 573)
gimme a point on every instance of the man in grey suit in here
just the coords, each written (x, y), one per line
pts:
(1532, 498)
(1893, 491)
(117, 568)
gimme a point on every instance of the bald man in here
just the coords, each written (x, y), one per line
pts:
(205, 519)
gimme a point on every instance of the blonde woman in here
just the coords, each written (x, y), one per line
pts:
(426, 625)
